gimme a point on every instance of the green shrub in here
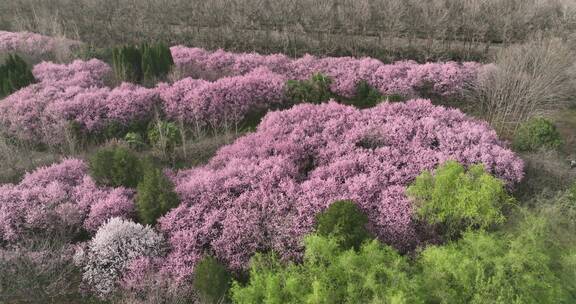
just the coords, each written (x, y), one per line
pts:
(537, 133)
(134, 140)
(15, 74)
(127, 63)
(375, 273)
(314, 90)
(366, 96)
(164, 135)
(155, 195)
(157, 61)
(519, 266)
(115, 167)
(492, 268)
(456, 199)
(211, 280)
(146, 63)
(344, 221)
(115, 130)
(533, 260)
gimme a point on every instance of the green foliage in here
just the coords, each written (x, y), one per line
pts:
(572, 194)
(366, 96)
(537, 133)
(134, 140)
(89, 51)
(314, 90)
(457, 199)
(527, 264)
(156, 61)
(115, 167)
(146, 63)
(127, 62)
(164, 135)
(344, 221)
(317, 90)
(15, 74)
(493, 268)
(375, 273)
(211, 280)
(155, 195)
(118, 130)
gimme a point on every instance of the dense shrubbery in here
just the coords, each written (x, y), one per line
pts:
(116, 244)
(483, 266)
(43, 112)
(537, 133)
(116, 166)
(79, 73)
(59, 199)
(331, 274)
(155, 195)
(264, 191)
(225, 102)
(404, 78)
(520, 266)
(14, 74)
(456, 199)
(75, 93)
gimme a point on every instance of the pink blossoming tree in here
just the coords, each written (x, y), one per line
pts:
(59, 198)
(264, 191)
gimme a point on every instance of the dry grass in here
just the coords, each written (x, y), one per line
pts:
(547, 172)
(40, 271)
(525, 80)
(19, 158)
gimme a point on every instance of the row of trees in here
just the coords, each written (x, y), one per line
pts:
(372, 27)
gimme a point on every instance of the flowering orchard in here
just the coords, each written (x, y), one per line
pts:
(264, 191)
(73, 93)
(59, 198)
(404, 78)
(76, 92)
(226, 100)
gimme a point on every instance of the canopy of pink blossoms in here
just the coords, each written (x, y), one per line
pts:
(73, 93)
(243, 83)
(86, 74)
(404, 77)
(29, 44)
(59, 198)
(264, 191)
(225, 101)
